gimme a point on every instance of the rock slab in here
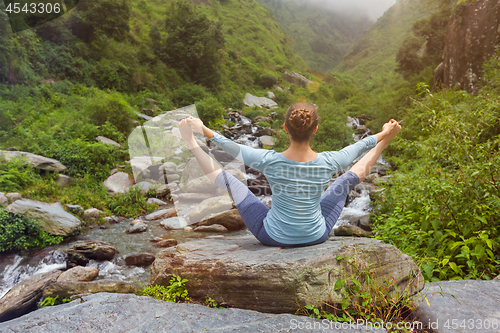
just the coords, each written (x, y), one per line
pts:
(454, 304)
(38, 162)
(116, 313)
(67, 289)
(23, 297)
(243, 272)
(54, 220)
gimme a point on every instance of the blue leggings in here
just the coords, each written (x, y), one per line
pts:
(253, 211)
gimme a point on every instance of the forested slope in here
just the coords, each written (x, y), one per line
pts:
(322, 35)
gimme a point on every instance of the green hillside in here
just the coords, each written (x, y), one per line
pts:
(376, 51)
(322, 36)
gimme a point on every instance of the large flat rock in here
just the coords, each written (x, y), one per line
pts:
(129, 313)
(53, 219)
(243, 272)
(461, 306)
(37, 161)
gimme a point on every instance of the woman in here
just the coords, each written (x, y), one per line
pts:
(302, 212)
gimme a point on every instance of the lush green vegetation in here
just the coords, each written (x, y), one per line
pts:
(19, 233)
(176, 291)
(445, 196)
(366, 297)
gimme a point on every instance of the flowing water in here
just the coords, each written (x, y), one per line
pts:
(15, 268)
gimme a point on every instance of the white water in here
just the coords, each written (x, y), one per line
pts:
(18, 272)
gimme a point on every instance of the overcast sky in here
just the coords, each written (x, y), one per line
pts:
(374, 8)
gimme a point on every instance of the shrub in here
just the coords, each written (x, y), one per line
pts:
(267, 81)
(19, 233)
(445, 196)
(175, 292)
(112, 108)
(130, 204)
(210, 111)
(15, 174)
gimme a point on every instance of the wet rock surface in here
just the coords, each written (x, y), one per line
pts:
(461, 306)
(23, 297)
(130, 313)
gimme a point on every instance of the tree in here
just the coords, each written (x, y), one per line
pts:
(5, 46)
(192, 45)
(101, 17)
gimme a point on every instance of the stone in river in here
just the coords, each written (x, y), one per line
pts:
(211, 228)
(79, 273)
(23, 297)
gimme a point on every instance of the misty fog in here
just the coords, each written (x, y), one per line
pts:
(373, 8)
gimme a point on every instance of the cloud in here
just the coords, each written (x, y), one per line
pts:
(374, 8)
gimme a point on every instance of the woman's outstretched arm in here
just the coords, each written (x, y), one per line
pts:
(209, 166)
(255, 158)
(343, 158)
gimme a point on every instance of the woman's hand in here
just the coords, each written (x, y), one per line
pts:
(187, 133)
(391, 129)
(196, 124)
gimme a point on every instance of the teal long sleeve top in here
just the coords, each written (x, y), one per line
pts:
(295, 216)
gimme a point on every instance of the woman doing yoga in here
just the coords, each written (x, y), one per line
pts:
(302, 212)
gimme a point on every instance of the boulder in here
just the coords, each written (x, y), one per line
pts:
(209, 206)
(63, 180)
(69, 288)
(156, 201)
(137, 228)
(457, 303)
(74, 209)
(211, 228)
(472, 36)
(54, 220)
(193, 197)
(351, 230)
(112, 219)
(134, 222)
(243, 272)
(107, 141)
(79, 273)
(117, 313)
(14, 196)
(38, 162)
(23, 297)
(193, 178)
(294, 77)
(372, 177)
(230, 219)
(365, 223)
(161, 214)
(163, 190)
(3, 199)
(166, 243)
(174, 223)
(251, 100)
(139, 259)
(267, 140)
(168, 168)
(92, 215)
(96, 250)
(144, 186)
(118, 183)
